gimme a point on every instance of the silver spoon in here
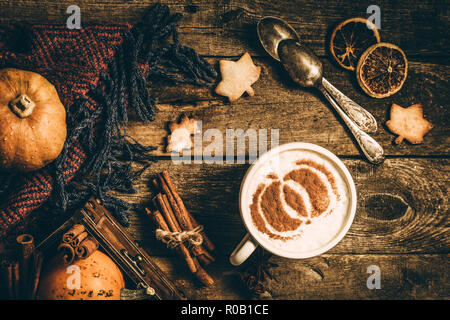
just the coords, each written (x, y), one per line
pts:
(306, 69)
(272, 30)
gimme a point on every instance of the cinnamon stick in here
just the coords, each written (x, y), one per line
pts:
(208, 243)
(78, 239)
(158, 219)
(165, 222)
(203, 255)
(26, 248)
(195, 268)
(167, 212)
(156, 184)
(183, 217)
(186, 219)
(86, 247)
(72, 233)
(203, 276)
(66, 252)
(37, 266)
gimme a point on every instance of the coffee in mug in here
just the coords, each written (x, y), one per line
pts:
(296, 200)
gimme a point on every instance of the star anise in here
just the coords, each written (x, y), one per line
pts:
(255, 271)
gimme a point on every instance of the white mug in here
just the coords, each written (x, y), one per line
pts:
(253, 238)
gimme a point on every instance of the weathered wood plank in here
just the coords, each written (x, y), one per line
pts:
(226, 28)
(328, 276)
(402, 205)
(279, 103)
(302, 114)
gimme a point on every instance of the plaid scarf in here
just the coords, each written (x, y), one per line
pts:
(99, 72)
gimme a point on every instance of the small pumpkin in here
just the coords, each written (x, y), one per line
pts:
(32, 121)
(94, 278)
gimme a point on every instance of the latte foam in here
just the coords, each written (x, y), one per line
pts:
(298, 201)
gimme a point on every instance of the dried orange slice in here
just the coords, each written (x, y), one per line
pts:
(350, 39)
(382, 70)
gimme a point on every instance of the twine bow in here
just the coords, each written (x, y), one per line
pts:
(174, 239)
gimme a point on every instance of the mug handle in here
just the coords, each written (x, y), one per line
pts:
(243, 250)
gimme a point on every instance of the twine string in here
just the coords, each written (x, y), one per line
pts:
(174, 239)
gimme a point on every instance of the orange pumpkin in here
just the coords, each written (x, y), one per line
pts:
(99, 279)
(32, 121)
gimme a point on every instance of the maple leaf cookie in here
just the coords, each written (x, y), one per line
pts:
(408, 123)
(180, 134)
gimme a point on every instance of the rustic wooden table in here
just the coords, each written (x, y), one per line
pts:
(401, 223)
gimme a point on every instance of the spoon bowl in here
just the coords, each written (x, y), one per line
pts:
(301, 63)
(271, 31)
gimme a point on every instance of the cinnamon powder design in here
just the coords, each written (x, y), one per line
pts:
(294, 200)
(258, 221)
(316, 188)
(273, 210)
(267, 207)
(324, 170)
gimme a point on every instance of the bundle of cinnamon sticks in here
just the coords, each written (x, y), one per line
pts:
(173, 219)
(76, 243)
(21, 274)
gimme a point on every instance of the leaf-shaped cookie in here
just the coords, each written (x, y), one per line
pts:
(180, 137)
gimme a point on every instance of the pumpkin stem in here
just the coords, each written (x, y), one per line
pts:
(22, 106)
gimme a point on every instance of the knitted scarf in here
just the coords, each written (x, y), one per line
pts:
(100, 73)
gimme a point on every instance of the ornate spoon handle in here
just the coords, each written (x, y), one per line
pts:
(360, 116)
(371, 149)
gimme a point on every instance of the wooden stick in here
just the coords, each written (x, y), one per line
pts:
(26, 246)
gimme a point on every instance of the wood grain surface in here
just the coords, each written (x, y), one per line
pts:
(223, 28)
(303, 114)
(401, 224)
(329, 276)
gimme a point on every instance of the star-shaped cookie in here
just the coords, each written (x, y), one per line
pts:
(237, 77)
(408, 123)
